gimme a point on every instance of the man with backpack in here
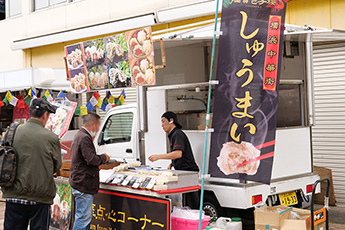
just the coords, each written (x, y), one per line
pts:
(39, 157)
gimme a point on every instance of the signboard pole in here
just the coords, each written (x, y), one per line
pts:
(208, 115)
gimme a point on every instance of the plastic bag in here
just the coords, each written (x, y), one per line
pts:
(294, 216)
(186, 213)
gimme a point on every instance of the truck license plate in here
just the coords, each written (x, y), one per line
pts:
(288, 198)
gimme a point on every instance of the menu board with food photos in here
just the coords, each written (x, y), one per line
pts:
(121, 60)
(59, 121)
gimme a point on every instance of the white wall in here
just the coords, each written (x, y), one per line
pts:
(68, 16)
(185, 64)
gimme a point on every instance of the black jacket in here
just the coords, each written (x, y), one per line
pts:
(84, 170)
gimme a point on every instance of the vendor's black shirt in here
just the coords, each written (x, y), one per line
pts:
(179, 141)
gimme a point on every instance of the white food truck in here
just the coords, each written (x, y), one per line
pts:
(132, 132)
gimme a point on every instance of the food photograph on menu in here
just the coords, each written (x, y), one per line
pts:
(79, 81)
(98, 77)
(117, 61)
(95, 64)
(74, 56)
(140, 49)
(143, 71)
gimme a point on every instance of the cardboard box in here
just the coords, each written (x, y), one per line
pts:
(320, 198)
(304, 223)
(268, 218)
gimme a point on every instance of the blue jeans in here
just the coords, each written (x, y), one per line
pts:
(83, 210)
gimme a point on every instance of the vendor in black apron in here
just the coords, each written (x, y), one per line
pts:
(181, 153)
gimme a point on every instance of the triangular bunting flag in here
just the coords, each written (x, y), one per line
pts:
(122, 99)
(32, 94)
(5, 101)
(9, 96)
(109, 106)
(104, 104)
(96, 95)
(111, 99)
(83, 110)
(50, 99)
(89, 106)
(99, 104)
(117, 101)
(108, 94)
(103, 107)
(27, 100)
(47, 93)
(14, 101)
(123, 94)
(77, 111)
(61, 95)
(21, 104)
(93, 101)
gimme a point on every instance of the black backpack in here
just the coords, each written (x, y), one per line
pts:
(8, 158)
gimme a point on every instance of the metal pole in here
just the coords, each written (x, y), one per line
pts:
(326, 202)
(208, 115)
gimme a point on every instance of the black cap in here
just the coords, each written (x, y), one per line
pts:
(42, 105)
(171, 115)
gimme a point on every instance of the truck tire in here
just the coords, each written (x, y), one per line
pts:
(212, 208)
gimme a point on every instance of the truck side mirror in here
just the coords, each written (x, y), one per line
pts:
(101, 138)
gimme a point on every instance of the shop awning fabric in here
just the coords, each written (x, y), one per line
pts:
(34, 77)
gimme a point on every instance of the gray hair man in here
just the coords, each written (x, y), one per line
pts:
(84, 177)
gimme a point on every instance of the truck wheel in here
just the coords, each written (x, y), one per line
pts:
(212, 208)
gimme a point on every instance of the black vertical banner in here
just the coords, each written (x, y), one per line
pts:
(246, 99)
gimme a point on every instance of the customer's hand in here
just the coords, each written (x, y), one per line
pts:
(107, 157)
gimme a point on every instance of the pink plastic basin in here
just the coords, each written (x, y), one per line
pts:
(186, 224)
